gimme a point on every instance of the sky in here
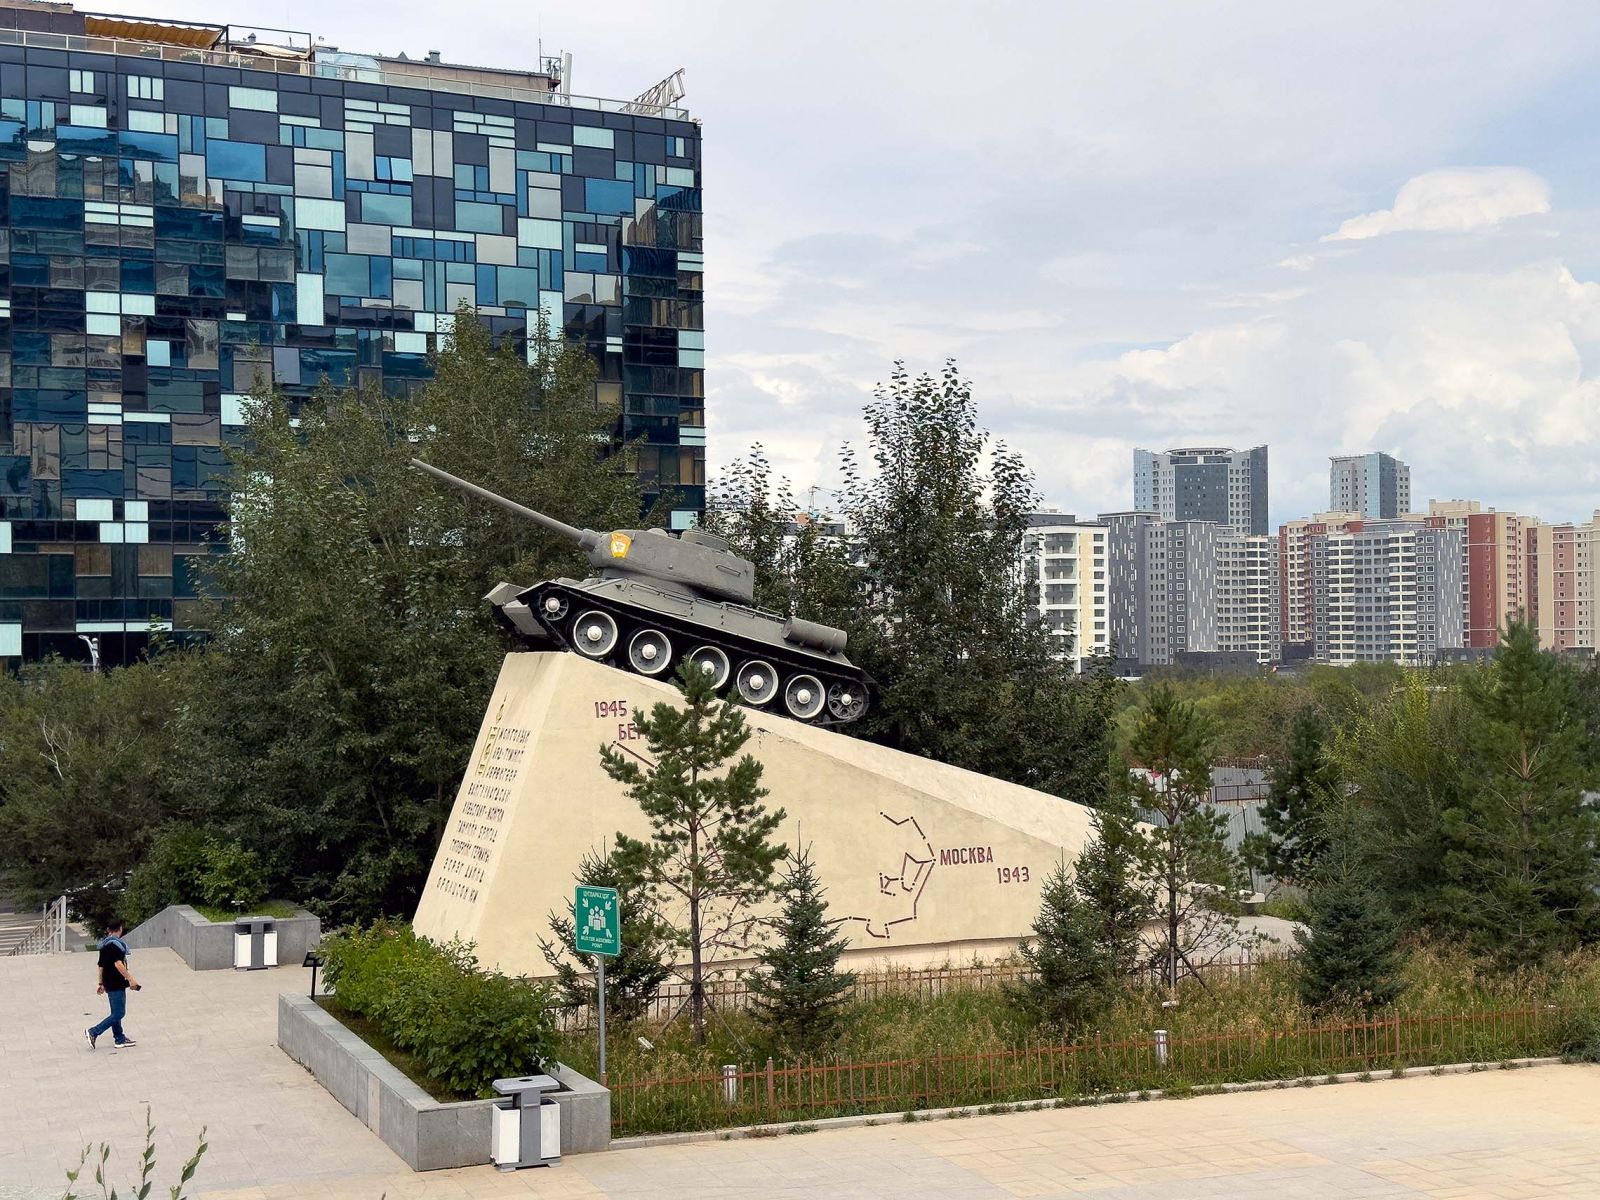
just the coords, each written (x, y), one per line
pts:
(1329, 228)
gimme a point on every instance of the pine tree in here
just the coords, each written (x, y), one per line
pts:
(1197, 875)
(1290, 843)
(1521, 866)
(799, 991)
(1072, 978)
(1349, 950)
(1112, 878)
(710, 848)
(633, 976)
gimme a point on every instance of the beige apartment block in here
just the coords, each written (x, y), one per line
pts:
(1064, 562)
(923, 863)
(1296, 608)
(1562, 586)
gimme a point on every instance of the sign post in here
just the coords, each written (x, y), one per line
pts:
(597, 926)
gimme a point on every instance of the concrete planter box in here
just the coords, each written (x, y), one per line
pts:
(208, 945)
(427, 1134)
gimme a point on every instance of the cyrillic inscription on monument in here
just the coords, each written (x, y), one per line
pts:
(470, 842)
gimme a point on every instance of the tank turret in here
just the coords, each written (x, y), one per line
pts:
(658, 598)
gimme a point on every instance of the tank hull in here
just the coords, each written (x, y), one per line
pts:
(800, 674)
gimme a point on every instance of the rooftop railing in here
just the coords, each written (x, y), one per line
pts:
(420, 79)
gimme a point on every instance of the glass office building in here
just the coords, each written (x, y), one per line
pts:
(185, 208)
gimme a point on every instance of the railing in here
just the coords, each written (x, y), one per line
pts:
(49, 936)
(422, 80)
(737, 1095)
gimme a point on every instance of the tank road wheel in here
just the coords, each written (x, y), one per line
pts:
(804, 697)
(553, 607)
(757, 682)
(594, 634)
(649, 652)
(847, 701)
(713, 662)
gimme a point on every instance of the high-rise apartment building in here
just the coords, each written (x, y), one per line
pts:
(1296, 595)
(190, 206)
(1496, 582)
(1562, 585)
(1377, 485)
(1386, 591)
(1225, 487)
(1163, 586)
(1066, 570)
(1247, 596)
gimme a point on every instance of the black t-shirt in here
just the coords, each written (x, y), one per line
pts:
(110, 955)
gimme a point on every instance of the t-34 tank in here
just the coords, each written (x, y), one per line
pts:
(656, 598)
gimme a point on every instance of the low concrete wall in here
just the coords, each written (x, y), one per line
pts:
(208, 945)
(427, 1134)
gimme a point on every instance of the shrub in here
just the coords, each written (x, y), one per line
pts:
(465, 1026)
(187, 866)
(171, 873)
(233, 877)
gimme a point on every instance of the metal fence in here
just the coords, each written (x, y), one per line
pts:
(771, 1092)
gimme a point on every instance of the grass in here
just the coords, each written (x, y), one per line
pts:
(405, 1063)
(281, 909)
(977, 1048)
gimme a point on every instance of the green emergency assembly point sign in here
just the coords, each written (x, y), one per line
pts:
(598, 918)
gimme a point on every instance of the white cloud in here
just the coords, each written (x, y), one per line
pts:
(1298, 262)
(1455, 199)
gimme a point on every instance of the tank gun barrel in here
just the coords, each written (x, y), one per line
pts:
(586, 538)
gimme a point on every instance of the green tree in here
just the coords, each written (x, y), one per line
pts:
(801, 569)
(798, 990)
(1349, 948)
(1112, 876)
(1405, 756)
(710, 849)
(927, 582)
(1197, 876)
(86, 780)
(1522, 871)
(1303, 781)
(1073, 977)
(632, 977)
(354, 655)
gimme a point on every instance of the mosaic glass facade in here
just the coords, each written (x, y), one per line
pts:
(169, 229)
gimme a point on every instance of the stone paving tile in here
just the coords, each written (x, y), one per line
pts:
(208, 1057)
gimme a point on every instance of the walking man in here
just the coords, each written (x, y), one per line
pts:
(115, 980)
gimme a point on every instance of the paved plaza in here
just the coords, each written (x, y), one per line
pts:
(207, 1056)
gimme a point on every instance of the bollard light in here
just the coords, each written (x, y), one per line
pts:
(1161, 1047)
(313, 962)
(730, 1083)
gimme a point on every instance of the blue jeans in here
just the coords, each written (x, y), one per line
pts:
(119, 1009)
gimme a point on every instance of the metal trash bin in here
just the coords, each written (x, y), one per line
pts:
(525, 1128)
(255, 943)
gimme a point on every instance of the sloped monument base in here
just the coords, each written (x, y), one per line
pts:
(923, 863)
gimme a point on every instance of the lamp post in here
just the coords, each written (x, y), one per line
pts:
(94, 651)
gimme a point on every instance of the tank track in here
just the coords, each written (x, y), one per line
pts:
(686, 637)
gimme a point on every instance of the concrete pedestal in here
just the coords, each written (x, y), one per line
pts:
(924, 863)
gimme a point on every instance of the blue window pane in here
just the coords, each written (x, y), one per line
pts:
(385, 210)
(236, 160)
(348, 274)
(607, 196)
(519, 285)
(382, 278)
(484, 218)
